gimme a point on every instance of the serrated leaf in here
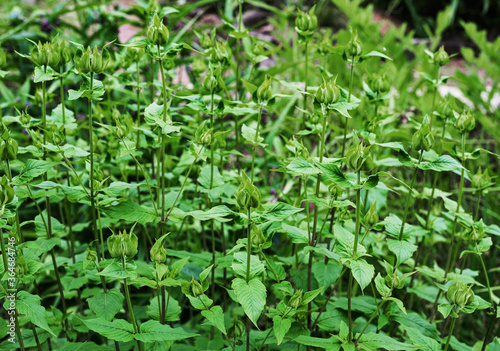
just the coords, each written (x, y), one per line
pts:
(152, 331)
(30, 305)
(239, 265)
(398, 302)
(216, 316)
(301, 167)
(382, 289)
(403, 249)
(251, 296)
(445, 309)
(326, 273)
(363, 272)
(298, 236)
(132, 211)
(106, 304)
(334, 173)
(280, 212)
(32, 169)
(118, 330)
(250, 135)
(280, 327)
(443, 163)
(419, 339)
(372, 341)
(41, 76)
(153, 115)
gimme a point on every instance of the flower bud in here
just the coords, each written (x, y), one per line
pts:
(379, 85)
(236, 329)
(91, 254)
(152, 7)
(9, 149)
(24, 118)
(130, 244)
(353, 48)
(198, 66)
(206, 137)
(481, 180)
(335, 190)
(394, 281)
(306, 23)
(83, 61)
(476, 231)
(213, 81)
(157, 32)
(445, 109)
(195, 288)
(301, 151)
(248, 195)
(264, 93)
(206, 41)
(460, 294)
(371, 217)
(423, 137)
(296, 299)
(221, 53)
(60, 47)
(39, 55)
(256, 236)
(53, 55)
(158, 253)
(115, 246)
(465, 122)
(441, 58)
(258, 48)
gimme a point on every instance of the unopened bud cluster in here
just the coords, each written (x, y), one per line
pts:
(358, 156)
(248, 195)
(423, 138)
(92, 60)
(157, 32)
(306, 23)
(465, 122)
(7, 193)
(8, 146)
(460, 294)
(328, 93)
(123, 244)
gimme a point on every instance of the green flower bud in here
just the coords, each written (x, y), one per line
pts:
(264, 92)
(371, 217)
(476, 231)
(213, 81)
(460, 294)
(25, 118)
(221, 53)
(97, 64)
(158, 253)
(3, 58)
(91, 254)
(130, 244)
(296, 299)
(248, 195)
(83, 61)
(195, 288)
(301, 151)
(394, 281)
(134, 53)
(206, 41)
(60, 47)
(4, 132)
(445, 108)
(258, 48)
(7, 192)
(53, 55)
(39, 55)
(198, 66)
(115, 246)
(357, 155)
(152, 7)
(256, 236)
(314, 119)
(206, 137)
(465, 122)
(428, 141)
(306, 23)
(11, 149)
(441, 58)
(481, 180)
(379, 84)
(336, 190)
(353, 48)
(157, 32)
(236, 329)
(423, 137)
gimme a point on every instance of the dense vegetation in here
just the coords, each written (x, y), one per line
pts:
(270, 186)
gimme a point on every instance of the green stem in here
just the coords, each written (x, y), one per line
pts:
(162, 152)
(358, 215)
(270, 267)
(348, 100)
(306, 73)
(254, 150)
(450, 333)
(129, 304)
(249, 243)
(408, 197)
(369, 321)
(349, 314)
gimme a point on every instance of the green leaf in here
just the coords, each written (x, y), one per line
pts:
(326, 273)
(445, 309)
(443, 163)
(152, 331)
(376, 54)
(372, 341)
(30, 305)
(250, 87)
(330, 344)
(41, 76)
(310, 295)
(251, 296)
(239, 265)
(398, 302)
(201, 302)
(345, 243)
(419, 339)
(301, 167)
(32, 169)
(216, 316)
(250, 135)
(115, 270)
(106, 304)
(403, 249)
(133, 212)
(280, 212)
(84, 91)
(298, 236)
(173, 311)
(363, 272)
(153, 115)
(118, 330)
(334, 173)
(382, 289)
(280, 327)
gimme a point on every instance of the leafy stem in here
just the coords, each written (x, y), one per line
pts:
(450, 333)
(129, 304)
(254, 150)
